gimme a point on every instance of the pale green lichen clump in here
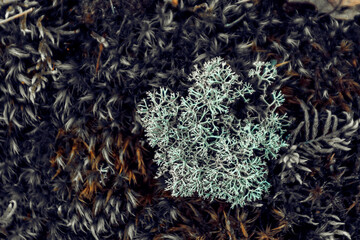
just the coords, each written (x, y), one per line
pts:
(202, 146)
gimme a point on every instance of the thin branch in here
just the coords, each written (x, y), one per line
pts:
(16, 16)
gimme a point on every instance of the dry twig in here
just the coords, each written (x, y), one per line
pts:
(16, 16)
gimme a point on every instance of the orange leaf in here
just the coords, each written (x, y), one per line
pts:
(175, 3)
(101, 47)
(345, 107)
(95, 165)
(243, 230)
(57, 173)
(61, 132)
(109, 193)
(92, 155)
(52, 161)
(126, 144)
(131, 176)
(280, 64)
(141, 165)
(119, 140)
(212, 215)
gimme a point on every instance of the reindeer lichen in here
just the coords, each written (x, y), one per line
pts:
(202, 146)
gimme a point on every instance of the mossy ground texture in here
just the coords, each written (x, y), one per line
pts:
(188, 119)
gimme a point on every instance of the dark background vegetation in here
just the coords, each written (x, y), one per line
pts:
(72, 73)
